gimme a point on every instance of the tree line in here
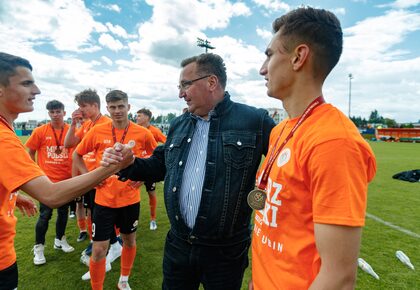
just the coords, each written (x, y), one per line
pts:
(377, 119)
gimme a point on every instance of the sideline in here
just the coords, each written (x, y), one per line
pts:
(410, 233)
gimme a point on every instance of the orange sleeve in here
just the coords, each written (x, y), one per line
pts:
(80, 133)
(339, 176)
(150, 142)
(87, 144)
(16, 166)
(33, 141)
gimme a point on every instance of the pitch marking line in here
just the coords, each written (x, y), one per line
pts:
(405, 231)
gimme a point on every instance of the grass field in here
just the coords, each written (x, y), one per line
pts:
(394, 201)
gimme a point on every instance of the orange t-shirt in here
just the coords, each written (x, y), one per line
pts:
(56, 166)
(16, 168)
(159, 137)
(114, 193)
(320, 176)
(89, 158)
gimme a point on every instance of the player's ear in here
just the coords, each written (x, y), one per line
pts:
(300, 56)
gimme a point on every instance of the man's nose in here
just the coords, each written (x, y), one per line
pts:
(181, 94)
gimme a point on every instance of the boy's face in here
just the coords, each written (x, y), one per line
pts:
(57, 115)
(142, 119)
(89, 111)
(19, 95)
(118, 110)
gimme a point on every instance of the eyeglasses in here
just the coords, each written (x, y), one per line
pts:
(186, 84)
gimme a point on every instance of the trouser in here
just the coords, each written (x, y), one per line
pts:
(45, 214)
(72, 206)
(9, 277)
(185, 266)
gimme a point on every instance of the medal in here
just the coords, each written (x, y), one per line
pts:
(256, 199)
(131, 144)
(58, 140)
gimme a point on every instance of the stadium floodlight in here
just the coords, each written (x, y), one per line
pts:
(204, 43)
(350, 78)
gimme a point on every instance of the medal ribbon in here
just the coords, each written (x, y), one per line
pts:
(275, 152)
(94, 122)
(4, 121)
(114, 137)
(57, 140)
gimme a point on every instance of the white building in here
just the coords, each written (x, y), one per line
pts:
(277, 114)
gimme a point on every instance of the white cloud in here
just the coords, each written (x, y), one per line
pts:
(170, 34)
(117, 30)
(374, 37)
(339, 11)
(110, 42)
(66, 24)
(385, 76)
(401, 4)
(112, 7)
(107, 60)
(264, 34)
(274, 5)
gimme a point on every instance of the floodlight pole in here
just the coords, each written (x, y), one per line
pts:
(350, 78)
(205, 44)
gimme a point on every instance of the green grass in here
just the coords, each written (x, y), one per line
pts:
(394, 201)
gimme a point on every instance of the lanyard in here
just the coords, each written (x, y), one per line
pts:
(275, 152)
(114, 137)
(4, 121)
(94, 122)
(57, 140)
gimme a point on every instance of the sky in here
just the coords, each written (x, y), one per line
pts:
(137, 46)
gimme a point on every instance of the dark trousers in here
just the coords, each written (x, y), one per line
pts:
(185, 266)
(9, 278)
(45, 214)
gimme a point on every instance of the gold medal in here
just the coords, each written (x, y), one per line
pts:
(131, 144)
(256, 199)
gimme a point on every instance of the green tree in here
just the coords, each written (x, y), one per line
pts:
(170, 117)
(376, 118)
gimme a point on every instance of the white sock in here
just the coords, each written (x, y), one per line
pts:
(123, 278)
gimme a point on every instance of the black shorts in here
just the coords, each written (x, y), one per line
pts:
(150, 186)
(89, 199)
(105, 218)
(9, 278)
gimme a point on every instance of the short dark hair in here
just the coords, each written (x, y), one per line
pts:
(55, 105)
(209, 63)
(146, 112)
(319, 29)
(116, 95)
(88, 96)
(8, 64)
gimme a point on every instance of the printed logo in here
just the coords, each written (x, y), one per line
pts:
(284, 157)
(107, 141)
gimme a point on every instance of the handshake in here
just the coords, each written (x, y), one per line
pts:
(120, 155)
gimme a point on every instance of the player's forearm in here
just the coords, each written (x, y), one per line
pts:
(344, 278)
(78, 165)
(71, 139)
(57, 194)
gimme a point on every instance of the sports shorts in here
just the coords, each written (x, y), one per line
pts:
(105, 218)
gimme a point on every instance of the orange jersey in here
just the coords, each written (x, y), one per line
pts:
(16, 168)
(114, 193)
(57, 166)
(89, 158)
(320, 176)
(159, 137)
